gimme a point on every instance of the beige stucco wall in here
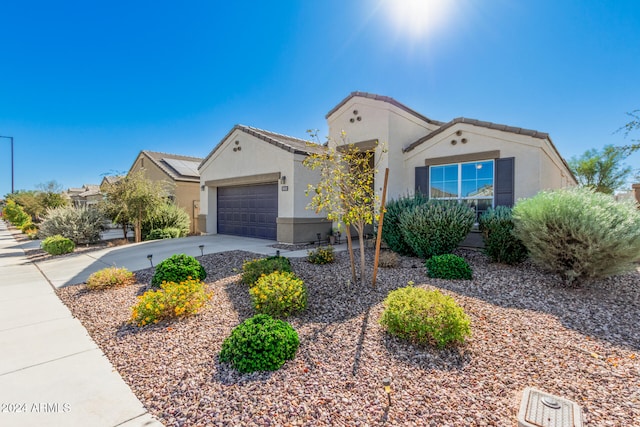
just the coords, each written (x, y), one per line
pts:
(185, 193)
(256, 158)
(537, 164)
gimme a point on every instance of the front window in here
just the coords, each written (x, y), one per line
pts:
(470, 183)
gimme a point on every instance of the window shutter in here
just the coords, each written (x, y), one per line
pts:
(422, 180)
(504, 181)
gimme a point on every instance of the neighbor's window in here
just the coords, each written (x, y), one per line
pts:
(471, 183)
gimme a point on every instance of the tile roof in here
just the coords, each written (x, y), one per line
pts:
(158, 159)
(288, 143)
(474, 122)
(382, 98)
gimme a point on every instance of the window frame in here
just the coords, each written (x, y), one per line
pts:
(459, 183)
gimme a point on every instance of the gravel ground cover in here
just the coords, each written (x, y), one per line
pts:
(581, 344)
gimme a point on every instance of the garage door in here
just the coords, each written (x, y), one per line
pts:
(249, 211)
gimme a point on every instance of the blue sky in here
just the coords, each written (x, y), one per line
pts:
(86, 85)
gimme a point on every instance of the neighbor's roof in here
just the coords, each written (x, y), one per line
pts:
(386, 99)
(178, 167)
(288, 143)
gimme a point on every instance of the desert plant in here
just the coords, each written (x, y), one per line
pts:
(168, 216)
(163, 233)
(448, 266)
(279, 294)
(178, 268)
(15, 214)
(321, 255)
(58, 245)
(578, 233)
(388, 259)
(110, 277)
(29, 227)
(252, 270)
(425, 317)
(500, 244)
(172, 300)
(82, 225)
(436, 227)
(391, 229)
(260, 343)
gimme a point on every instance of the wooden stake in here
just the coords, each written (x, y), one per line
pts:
(379, 237)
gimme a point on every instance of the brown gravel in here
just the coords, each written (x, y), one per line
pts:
(581, 344)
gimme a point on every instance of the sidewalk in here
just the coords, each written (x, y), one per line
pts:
(51, 371)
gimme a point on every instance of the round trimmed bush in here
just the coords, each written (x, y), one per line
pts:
(252, 270)
(436, 227)
(178, 268)
(496, 225)
(29, 228)
(578, 233)
(321, 255)
(163, 233)
(110, 277)
(260, 343)
(425, 317)
(448, 266)
(58, 245)
(279, 294)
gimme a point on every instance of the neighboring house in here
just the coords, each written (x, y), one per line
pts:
(636, 190)
(181, 171)
(86, 196)
(109, 180)
(253, 182)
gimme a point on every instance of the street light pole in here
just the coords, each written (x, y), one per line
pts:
(11, 138)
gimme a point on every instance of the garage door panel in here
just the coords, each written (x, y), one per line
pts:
(249, 211)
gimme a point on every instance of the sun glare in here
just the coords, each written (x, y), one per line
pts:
(419, 18)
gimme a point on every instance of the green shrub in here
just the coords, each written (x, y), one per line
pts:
(29, 227)
(178, 268)
(110, 277)
(448, 266)
(579, 234)
(57, 245)
(252, 270)
(321, 255)
(436, 227)
(279, 294)
(260, 343)
(388, 259)
(163, 233)
(15, 214)
(172, 300)
(391, 229)
(500, 244)
(425, 317)
(81, 225)
(167, 216)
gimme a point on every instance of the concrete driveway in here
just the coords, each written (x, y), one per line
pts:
(76, 268)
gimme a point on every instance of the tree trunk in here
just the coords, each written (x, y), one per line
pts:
(363, 267)
(353, 261)
(138, 226)
(124, 230)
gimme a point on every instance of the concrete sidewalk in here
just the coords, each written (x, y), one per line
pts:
(51, 371)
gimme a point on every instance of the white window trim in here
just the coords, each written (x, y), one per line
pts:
(459, 197)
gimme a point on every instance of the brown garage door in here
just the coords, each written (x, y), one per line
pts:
(249, 210)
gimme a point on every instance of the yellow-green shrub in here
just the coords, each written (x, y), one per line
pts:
(110, 277)
(172, 300)
(279, 294)
(321, 255)
(28, 228)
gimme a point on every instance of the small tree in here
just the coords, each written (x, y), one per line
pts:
(133, 199)
(601, 170)
(634, 124)
(345, 192)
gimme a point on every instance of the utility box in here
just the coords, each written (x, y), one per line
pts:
(540, 409)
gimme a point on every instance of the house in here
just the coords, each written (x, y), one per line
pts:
(253, 182)
(181, 171)
(86, 196)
